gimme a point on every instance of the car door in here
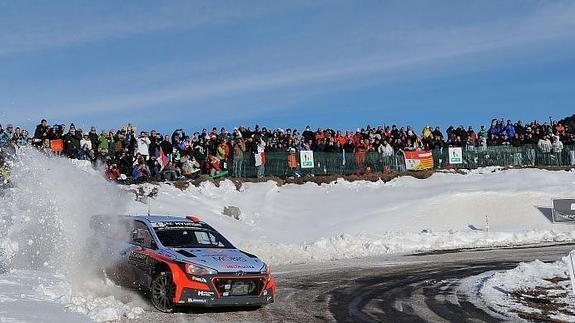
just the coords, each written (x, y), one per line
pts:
(140, 263)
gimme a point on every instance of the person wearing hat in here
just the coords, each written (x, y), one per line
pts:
(94, 138)
(85, 147)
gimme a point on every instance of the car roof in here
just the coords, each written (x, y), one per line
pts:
(158, 218)
(152, 220)
(170, 220)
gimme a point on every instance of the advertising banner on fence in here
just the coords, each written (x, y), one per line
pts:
(455, 155)
(306, 159)
(418, 160)
(563, 210)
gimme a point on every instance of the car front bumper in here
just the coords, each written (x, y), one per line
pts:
(212, 299)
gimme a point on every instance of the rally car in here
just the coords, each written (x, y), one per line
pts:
(180, 261)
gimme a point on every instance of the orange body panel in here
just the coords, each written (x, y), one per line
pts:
(178, 276)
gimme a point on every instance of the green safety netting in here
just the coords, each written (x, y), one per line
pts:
(277, 163)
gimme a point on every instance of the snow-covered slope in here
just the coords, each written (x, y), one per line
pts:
(297, 223)
(44, 223)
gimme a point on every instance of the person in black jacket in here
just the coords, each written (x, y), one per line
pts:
(155, 168)
(154, 146)
(167, 147)
(126, 162)
(72, 143)
(41, 133)
(308, 134)
(94, 138)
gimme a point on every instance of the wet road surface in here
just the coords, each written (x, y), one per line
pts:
(402, 288)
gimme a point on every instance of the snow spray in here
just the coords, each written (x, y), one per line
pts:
(45, 214)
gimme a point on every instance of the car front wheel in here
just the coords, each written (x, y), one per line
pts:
(163, 292)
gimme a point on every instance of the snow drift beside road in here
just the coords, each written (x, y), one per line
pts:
(534, 291)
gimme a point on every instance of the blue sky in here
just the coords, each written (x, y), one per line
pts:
(343, 64)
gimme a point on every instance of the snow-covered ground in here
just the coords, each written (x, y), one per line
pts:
(44, 221)
(299, 223)
(37, 296)
(532, 291)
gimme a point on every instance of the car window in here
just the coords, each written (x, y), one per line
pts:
(142, 228)
(192, 238)
(208, 239)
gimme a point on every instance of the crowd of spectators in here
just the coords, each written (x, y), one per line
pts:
(141, 155)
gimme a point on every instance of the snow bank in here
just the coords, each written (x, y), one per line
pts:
(36, 296)
(530, 289)
(347, 246)
(298, 223)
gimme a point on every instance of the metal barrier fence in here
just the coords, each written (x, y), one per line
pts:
(524, 156)
(283, 164)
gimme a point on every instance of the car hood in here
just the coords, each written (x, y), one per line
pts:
(222, 260)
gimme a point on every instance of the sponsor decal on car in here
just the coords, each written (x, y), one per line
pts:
(177, 224)
(197, 300)
(205, 294)
(229, 258)
(236, 266)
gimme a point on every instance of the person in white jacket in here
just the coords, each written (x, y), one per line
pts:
(85, 142)
(385, 149)
(544, 144)
(259, 157)
(143, 144)
(86, 151)
(557, 145)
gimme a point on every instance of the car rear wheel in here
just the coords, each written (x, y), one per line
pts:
(163, 292)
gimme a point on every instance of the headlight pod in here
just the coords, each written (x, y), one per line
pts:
(265, 270)
(198, 270)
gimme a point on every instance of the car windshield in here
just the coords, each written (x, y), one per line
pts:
(192, 238)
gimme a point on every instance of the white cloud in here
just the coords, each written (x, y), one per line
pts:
(325, 67)
(427, 47)
(26, 28)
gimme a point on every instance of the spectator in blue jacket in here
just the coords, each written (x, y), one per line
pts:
(510, 129)
(141, 172)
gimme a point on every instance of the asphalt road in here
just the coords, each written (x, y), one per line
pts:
(408, 288)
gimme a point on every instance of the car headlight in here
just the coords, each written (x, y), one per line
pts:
(198, 270)
(265, 269)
